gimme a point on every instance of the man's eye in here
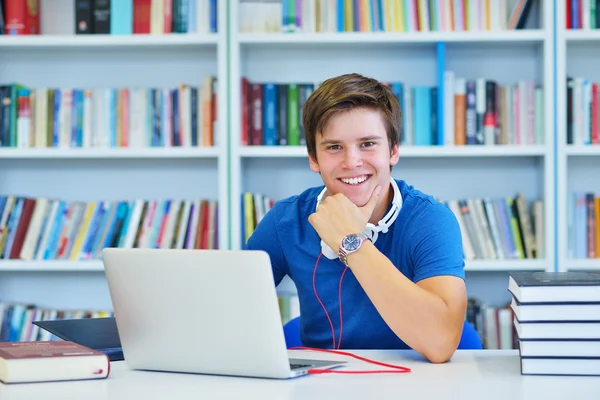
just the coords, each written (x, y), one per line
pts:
(368, 144)
(334, 147)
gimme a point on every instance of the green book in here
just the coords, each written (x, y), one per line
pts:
(293, 116)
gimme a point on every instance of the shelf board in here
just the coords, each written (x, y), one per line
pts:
(102, 153)
(517, 37)
(505, 265)
(116, 41)
(579, 150)
(96, 265)
(51, 266)
(407, 152)
(583, 264)
(579, 35)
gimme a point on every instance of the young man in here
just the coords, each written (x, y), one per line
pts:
(377, 264)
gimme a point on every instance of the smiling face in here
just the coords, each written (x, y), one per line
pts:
(353, 156)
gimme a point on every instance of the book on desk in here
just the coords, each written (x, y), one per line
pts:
(557, 321)
(46, 361)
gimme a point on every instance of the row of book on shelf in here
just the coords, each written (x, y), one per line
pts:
(583, 225)
(185, 116)
(556, 318)
(117, 17)
(582, 14)
(504, 228)
(475, 112)
(53, 229)
(310, 16)
(583, 106)
(16, 320)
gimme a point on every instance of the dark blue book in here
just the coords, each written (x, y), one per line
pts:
(96, 333)
(555, 287)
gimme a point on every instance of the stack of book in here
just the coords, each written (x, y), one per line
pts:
(557, 321)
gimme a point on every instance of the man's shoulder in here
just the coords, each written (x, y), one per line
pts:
(420, 204)
(413, 196)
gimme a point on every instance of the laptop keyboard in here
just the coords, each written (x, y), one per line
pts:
(298, 366)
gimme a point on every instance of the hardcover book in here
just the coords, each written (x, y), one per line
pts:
(555, 287)
(46, 361)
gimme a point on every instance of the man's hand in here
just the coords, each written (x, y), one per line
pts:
(337, 217)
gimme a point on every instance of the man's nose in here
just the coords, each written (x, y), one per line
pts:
(352, 158)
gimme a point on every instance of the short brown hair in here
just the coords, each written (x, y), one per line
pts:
(344, 93)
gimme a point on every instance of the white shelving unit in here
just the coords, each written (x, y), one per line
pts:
(90, 61)
(577, 165)
(445, 172)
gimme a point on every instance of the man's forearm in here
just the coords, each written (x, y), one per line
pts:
(420, 318)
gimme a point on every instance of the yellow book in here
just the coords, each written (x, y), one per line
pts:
(488, 20)
(400, 16)
(83, 230)
(388, 16)
(249, 223)
(349, 16)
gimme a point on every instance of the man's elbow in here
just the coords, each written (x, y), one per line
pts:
(441, 350)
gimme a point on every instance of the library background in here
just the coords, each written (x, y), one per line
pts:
(176, 124)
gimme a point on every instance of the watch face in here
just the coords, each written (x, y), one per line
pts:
(351, 242)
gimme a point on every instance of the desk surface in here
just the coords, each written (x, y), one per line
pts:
(494, 374)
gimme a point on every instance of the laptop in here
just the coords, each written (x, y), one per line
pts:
(200, 311)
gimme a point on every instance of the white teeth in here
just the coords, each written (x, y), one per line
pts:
(355, 181)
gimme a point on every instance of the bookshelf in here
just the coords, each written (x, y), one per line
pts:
(154, 41)
(94, 174)
(577, 163)
(167, 60)
(445, 172)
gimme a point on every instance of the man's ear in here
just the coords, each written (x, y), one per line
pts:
(314, 165)
(394, 155)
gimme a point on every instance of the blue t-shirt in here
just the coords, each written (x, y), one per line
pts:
(423, 242)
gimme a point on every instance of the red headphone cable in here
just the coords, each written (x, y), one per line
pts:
(394, 368)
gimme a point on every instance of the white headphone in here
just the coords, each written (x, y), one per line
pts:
(371, 230)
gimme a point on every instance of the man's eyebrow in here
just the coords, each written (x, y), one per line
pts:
(326, 142)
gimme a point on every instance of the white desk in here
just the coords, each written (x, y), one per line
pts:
(489, 374)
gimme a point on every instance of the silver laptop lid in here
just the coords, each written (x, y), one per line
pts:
(202, 311)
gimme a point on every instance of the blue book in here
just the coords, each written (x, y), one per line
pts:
(269, 114)
(121, 17)
(441, 69)
(108, 214)
(191, 16)
(340, 16)
(213, 16)
(56, 119)
(51, 245)
(422, 120)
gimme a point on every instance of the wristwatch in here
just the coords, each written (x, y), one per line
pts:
(350, 244)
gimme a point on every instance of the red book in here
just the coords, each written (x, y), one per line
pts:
(595, 135)
(141, 16)
(244, 136)
(50, 361)
(32, 17)
(15, 17)
(22, 227)
(168, 21)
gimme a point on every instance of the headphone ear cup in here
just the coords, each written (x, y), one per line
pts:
(328, 251)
